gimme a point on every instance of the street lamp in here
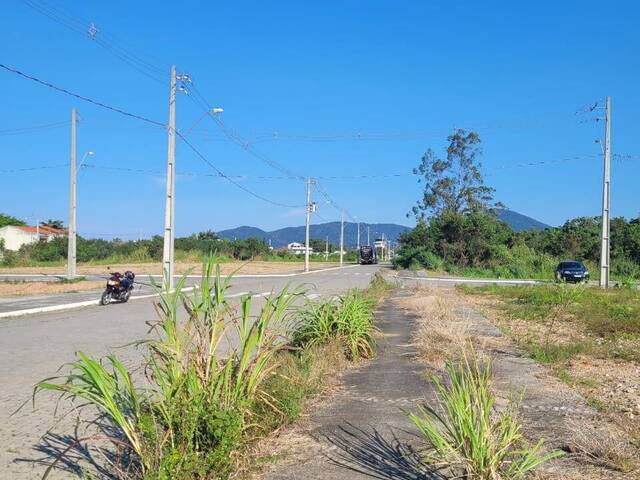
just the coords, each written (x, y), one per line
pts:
(211, 111)
(88, 153)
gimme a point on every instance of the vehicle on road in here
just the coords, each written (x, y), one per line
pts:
(571, 271)
(119, 288)
(367, 255)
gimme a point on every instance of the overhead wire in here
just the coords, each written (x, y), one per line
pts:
(148, 120)
(33, 129)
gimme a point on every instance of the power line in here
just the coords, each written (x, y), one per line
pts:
(30, 169)
(34, 129)
(106, 41)
(82, 97)
(148, 120)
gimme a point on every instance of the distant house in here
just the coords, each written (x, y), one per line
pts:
(15, 236)
(297, 248)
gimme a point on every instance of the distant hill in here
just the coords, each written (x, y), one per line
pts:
(520, 222)
(283, 236)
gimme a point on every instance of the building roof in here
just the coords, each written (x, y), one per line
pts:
(43, 230)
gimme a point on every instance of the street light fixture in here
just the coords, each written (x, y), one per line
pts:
(211, 111)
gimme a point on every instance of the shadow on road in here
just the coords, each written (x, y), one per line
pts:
(78, 455)
(372, 454)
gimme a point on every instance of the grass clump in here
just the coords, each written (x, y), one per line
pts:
(468, 437)
(349, 319)
(187, 417)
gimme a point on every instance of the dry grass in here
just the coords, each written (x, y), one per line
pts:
(18, 289)
(442, 335)
(603, 448)
(246, 268)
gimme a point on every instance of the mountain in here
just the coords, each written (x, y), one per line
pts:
(283, 236)
(520, 222)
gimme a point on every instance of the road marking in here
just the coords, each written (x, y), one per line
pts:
(472, 280)
(88, 303)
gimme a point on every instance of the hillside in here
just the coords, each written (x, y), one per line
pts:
(283, 236)
(520, 222)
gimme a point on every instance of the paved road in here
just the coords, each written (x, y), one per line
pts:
(33, 347)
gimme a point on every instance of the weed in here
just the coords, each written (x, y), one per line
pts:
(469, 436)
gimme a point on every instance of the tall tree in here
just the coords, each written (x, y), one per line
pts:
(453, 184)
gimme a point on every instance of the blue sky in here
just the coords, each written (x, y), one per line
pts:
(400, 74)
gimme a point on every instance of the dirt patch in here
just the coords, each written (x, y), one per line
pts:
(19, 289)
(247, 268)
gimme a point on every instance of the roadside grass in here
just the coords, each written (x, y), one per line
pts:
(591, 343)
(465, 435)
(606, 323)
(215, 382)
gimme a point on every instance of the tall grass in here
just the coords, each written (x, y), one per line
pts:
(348, 319)
(202, 376)
(468, 436)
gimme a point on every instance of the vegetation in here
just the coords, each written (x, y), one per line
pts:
(203, 399)
(604, 323)
(468, 436)
(195, 248)
(9, 220)
(458, 230)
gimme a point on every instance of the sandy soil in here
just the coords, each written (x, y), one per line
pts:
(181, 267)
(18, 289)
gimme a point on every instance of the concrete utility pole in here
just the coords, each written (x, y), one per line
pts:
(73, 178)
(341, 238)
(368, 235)
(606, 200)
(358, 241)
(306, 238)
(326, 250)
(169, 209)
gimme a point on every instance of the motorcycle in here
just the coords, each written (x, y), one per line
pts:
(119, 288)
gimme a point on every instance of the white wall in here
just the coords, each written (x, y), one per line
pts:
(14, 238)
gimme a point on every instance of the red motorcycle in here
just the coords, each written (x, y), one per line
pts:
(119, 288)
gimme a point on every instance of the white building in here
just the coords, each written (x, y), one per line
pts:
(15, 236)
(298, 248)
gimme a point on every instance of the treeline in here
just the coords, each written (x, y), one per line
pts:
(194, 247)
(477, 242)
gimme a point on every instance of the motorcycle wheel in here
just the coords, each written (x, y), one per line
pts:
(125, 296)
(105, 299)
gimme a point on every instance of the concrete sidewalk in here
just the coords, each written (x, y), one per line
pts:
(362, 431)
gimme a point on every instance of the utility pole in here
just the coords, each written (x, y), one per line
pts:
(358, 241)
(169, 209)
(306, 241)
(326, 250)
(341, 238)
(368, 235)
(606, 200)
(71, 239)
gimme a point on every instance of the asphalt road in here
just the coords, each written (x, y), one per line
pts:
(34, 347)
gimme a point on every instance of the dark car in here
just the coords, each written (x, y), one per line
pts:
(572, 271)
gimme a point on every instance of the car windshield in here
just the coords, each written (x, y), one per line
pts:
(571, 265)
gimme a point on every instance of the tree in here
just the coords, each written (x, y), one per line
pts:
(453, 184)
(9, 220)
(59, 224)
(318, 245)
